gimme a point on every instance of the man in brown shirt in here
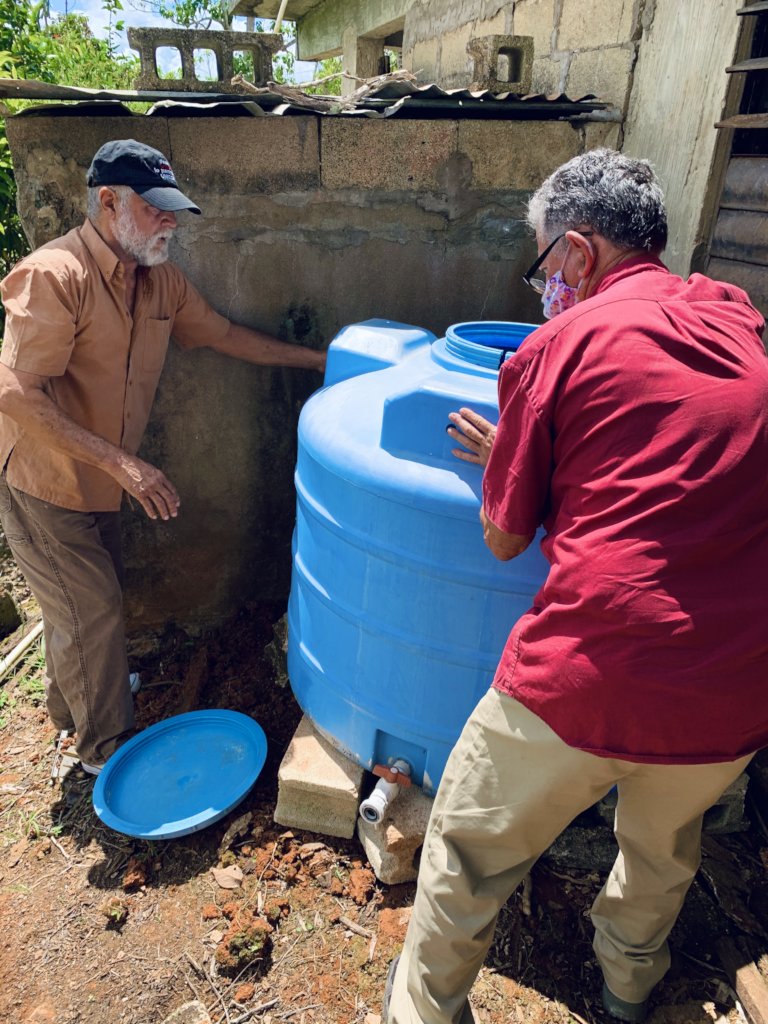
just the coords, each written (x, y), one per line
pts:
(88, 321)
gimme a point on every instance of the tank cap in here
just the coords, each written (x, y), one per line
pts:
(486, 342)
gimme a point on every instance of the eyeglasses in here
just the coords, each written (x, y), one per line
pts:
(539, 284)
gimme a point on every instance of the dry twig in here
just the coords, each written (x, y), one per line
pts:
(354, 927)
(59, 847)
(261, 1008)
(300, 98)
(299, 1009)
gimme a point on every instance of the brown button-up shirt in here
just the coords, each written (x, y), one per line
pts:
(66, 320)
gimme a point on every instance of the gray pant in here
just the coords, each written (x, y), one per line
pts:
(73, 565)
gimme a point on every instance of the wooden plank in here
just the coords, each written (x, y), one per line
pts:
(745, 66)
(756, 8)
(746, 980)
(746, 183)
(741, 235)
(744, 121)
(752, 278)
(734, 92)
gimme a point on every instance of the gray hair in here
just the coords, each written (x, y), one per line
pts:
(616, 195)
(94, 203)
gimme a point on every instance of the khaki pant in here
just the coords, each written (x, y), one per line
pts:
(509, 788)
(73, 565)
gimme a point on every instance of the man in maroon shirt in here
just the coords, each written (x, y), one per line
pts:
(634, 428)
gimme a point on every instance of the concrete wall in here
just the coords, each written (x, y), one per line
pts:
(580, 46)
(321, 30)
(659, 62)
(679, 92)
(308, 225)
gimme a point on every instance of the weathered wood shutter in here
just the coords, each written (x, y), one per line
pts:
(739, 247)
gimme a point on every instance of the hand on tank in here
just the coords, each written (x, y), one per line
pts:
(475, 433)
(151, 488)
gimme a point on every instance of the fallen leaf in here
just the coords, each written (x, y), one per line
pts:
(228, 878)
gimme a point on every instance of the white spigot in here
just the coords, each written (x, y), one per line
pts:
(374, 807)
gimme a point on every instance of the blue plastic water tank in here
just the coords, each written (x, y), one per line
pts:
(398, 612)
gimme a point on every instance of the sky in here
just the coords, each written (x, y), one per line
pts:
(98, 20)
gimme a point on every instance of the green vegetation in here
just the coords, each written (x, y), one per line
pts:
(189, 13)
(7, 704)
(31, 680)
(324, 68)
(28, 684)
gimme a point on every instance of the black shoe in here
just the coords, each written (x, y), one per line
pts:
(633, 1013)
(388, 985)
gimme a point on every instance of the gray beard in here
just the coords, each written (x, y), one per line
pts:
(148, 251)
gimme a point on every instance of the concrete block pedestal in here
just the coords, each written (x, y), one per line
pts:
(393, 846)
(319, 790)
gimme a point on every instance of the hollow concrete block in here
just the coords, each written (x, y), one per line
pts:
(318, 788)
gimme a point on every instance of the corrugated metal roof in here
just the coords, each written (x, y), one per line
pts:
(392, 99)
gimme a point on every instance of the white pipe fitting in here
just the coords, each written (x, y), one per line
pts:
(375, 806)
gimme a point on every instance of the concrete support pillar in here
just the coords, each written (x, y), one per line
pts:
(361, 57)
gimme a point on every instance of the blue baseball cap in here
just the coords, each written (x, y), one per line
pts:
(144, 169)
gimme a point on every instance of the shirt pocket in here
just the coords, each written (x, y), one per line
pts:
(154, 346)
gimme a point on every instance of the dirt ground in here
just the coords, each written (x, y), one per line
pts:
(97, 927)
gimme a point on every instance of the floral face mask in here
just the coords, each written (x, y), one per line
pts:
(558, 295)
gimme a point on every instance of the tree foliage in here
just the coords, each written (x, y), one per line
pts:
(324, 69)
(189, 13)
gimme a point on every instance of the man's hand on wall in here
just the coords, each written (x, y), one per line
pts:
(151, 488)
(474, 433)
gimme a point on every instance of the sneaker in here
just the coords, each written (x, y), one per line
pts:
(135, 681)
(388, 986)
(74, 757)
(632, 1013)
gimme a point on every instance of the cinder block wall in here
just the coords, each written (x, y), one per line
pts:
(659, 62)
(308, 225)
(580, 46)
